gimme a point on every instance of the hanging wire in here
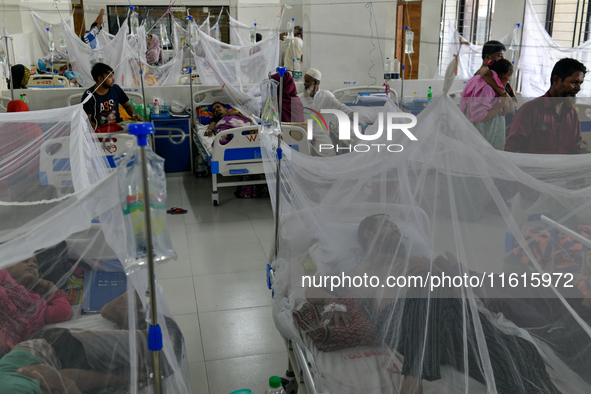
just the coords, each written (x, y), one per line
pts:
(372, 15)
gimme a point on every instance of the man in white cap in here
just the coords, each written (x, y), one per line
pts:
(318, 99)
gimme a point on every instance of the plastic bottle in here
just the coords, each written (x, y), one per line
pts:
(63, 44)
(275, 386)
(516, 39)
(25, 98)
(408, 42)
(396, 69)
(164, 35)
(216, 33)
(50, 42)
(290, 25)
(387, 69)
(253, 34)
(156, 107)
(430, 93)
(415, 96)
(22, 98)
(297, 70)
(134, 21)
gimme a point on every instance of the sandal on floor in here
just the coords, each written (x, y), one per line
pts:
(176, 211)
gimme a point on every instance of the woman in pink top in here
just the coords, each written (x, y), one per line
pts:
(27, 303)
(483, 106)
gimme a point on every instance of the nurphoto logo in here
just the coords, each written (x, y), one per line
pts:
(345, 130)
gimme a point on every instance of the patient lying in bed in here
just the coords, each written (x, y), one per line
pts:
(225, 119)
(431, 330)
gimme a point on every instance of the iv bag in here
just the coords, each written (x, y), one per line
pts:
(63, 44)
(134, 21)
(216, 33)
(270, 121)
(408, 42)
(253, 34)
(516, 38)
(132, 203)
(164, 36)
(50, 42)
(290, 28)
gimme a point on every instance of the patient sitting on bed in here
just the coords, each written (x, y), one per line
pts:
(224, 119)
(27, 303)
(429, 330)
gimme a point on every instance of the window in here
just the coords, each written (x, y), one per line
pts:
(567, 21)
(153, 14)
(474, 18)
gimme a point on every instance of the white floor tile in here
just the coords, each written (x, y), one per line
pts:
(189, 325)
(231, 258)
(238, 333)
(180, 295)
(232, 291)
(253, 372)
(264, 229)
(221, 234)
(175, 269)
(198, 378)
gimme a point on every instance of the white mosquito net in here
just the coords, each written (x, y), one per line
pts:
(73, 289)
(240, 33)
(470, 54)
(122, 53)
(540, 52)
(427, 265)
(239, 69)
(57, 32)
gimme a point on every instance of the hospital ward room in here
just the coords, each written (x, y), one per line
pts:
(295, 197)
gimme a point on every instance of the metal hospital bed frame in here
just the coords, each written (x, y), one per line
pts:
(297, 361)
(346, 95)
(241, 155)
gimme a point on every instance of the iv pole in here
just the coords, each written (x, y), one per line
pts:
(8, 62)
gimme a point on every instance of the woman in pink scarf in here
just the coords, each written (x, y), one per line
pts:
(154, 53)
(23, 311)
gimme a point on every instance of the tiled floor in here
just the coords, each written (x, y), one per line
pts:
(216, 289)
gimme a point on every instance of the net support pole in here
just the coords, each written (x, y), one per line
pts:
(281, 71)
(9, 67)
(141, 131)
(191, 110)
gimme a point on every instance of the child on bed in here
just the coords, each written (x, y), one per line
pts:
(27, 303)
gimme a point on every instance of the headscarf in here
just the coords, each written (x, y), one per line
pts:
(292, 109)
(154, 51)
(20, 76)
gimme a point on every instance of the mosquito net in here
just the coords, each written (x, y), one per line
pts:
(239, 68)
(57, 32)
(73, 288)
(426, 261)
(470, 55)
(240, 33)
(539, 54)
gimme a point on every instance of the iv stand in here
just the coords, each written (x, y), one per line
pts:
(8, 61)
(281, 71)
(142, 130)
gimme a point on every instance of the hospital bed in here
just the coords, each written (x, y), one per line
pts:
(75, 98)
(4, 102)
(54, 161)
(48, 81)
(360, 368)
(350, 94)
(242, 154)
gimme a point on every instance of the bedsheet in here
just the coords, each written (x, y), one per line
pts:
(206, 142)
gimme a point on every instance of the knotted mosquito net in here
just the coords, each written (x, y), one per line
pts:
(73, 284)
(426, 261)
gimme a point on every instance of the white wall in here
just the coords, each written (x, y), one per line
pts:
(429, 46)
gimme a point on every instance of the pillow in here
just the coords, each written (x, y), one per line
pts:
(206, 114)
(360, 332)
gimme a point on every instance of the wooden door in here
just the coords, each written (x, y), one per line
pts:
(79, 27)
(408, 13)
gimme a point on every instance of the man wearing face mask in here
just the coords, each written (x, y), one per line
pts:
(549, 124)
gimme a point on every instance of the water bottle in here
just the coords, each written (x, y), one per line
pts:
(387, 69)
(429, 93)
(134, 21)
(22, 98)
(290, 25)
(156, 107)
(408, 42)
(396, 69)
(415, 96)
(50, 42)
(275, 386)
(253, 34)
(25, 98)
